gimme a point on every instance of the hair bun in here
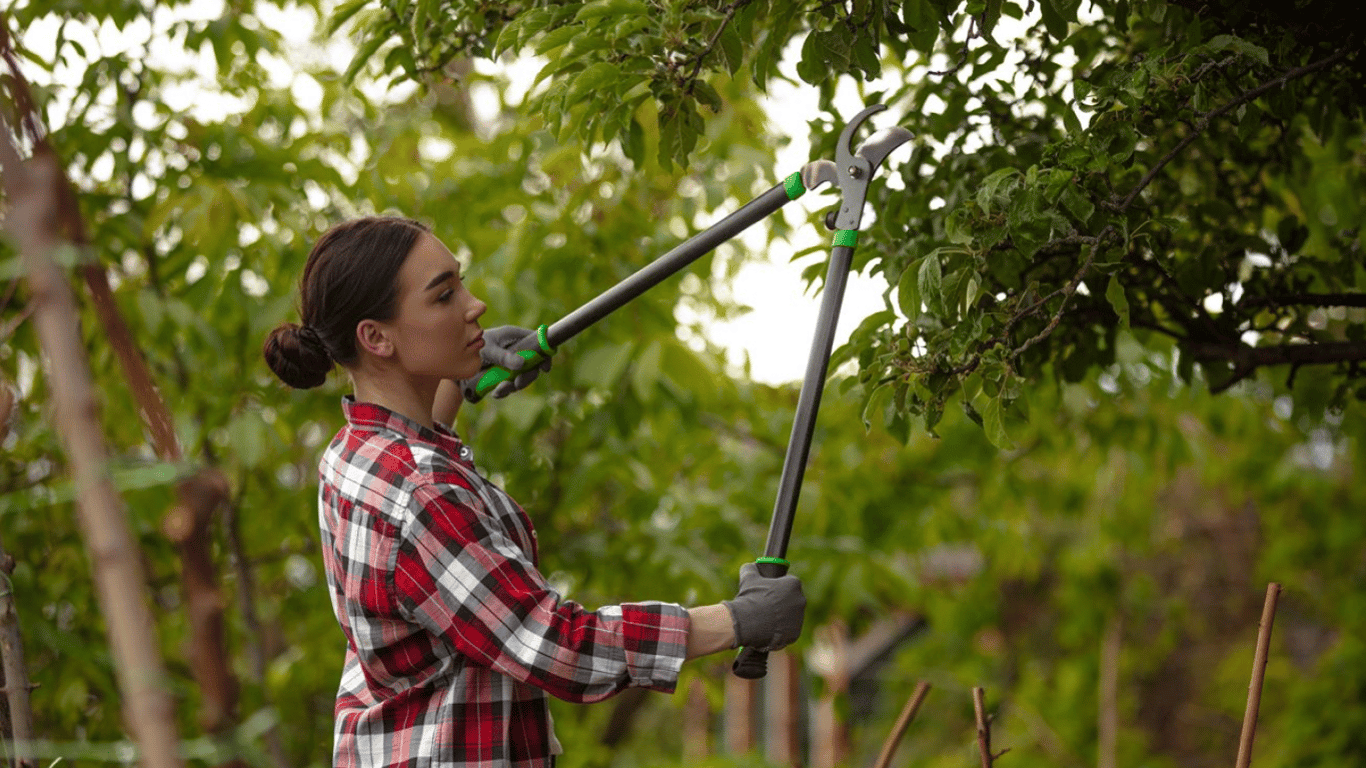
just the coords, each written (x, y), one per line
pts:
(297, 356)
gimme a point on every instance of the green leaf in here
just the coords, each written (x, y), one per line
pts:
(1240, 46)
(931, 280)
(908, 295)
(1119, 300)
(993, 422)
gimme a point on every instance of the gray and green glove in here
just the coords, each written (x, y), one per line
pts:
(767, 613)
(508, 347)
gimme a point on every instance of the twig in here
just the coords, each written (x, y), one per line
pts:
(902, 723)
(983, 729)
(1206, 118)
(1254, 688)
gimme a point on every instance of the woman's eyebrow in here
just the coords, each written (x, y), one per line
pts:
(439, 279)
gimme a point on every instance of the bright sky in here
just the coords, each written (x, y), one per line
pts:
(775, 337)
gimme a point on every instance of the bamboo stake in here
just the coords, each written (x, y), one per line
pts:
(903, 722)
(31, 189)
(1254, 688)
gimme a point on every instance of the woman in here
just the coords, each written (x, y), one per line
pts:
(453, 636)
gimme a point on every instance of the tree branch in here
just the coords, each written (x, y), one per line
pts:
(1203, 123)
(1305, 300)
(1247, 359)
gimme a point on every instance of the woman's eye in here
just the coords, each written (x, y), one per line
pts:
(445, 296)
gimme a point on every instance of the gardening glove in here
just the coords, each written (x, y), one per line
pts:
(767, 612)
(501, 345)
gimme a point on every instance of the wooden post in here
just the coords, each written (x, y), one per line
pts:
(782, 707)
(829, 736)
(739, 714)
(696, 723)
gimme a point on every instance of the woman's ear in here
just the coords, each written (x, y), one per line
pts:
(373, 338)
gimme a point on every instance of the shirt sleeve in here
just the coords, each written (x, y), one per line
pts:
(460, 576)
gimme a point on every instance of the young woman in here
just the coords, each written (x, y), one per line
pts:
(453, 637)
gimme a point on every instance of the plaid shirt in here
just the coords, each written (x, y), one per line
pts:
(453, 636)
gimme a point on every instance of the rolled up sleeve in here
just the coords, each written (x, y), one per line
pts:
(462, 577)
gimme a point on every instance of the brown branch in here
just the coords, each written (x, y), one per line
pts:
(71, 229)
(983, 730)
(188, 525)
(1305, 300)
(1066, 291)
(1247, 359)
(1254, 688)
(13, 672)
(33, 191)
(903, 722)
(1203, 123)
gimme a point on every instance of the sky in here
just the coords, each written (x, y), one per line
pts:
(775, 337)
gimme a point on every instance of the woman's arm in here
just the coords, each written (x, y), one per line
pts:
(710, 630)
(447, 404)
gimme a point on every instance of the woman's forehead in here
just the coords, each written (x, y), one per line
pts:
(429, 258)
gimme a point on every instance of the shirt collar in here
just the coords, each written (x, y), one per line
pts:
(371, 416)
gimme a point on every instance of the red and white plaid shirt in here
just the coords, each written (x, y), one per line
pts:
(453, 636)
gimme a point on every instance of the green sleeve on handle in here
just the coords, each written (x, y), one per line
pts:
(794, 187)
(497, 375)
(847, 237)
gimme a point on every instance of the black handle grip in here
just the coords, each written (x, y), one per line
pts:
(752, 664)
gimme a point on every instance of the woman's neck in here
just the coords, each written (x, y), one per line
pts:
(399, 394)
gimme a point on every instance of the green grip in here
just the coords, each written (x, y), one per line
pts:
(497, 374)
(847, 237)
(793, 186)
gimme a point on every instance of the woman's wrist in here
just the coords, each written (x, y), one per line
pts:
(710, 630)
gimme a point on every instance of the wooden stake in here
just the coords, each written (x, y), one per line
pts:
(1254, 688)
(903, 722)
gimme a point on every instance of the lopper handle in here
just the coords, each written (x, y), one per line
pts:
(496, 375)
(750, 663)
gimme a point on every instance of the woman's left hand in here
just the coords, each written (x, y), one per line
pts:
(500, 349)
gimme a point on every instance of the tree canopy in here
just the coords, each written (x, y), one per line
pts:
(1123, 286)
(1187, 173)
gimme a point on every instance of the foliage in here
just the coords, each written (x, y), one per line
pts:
(1192, 174)
(1128, 496)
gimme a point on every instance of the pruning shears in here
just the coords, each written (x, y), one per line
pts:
(852, 170)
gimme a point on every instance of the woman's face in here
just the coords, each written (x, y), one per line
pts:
(436, 332)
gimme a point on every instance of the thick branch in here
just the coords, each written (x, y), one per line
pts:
(188, 524)
(1247, 359)
(1305, 300)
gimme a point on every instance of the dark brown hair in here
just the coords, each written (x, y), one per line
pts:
(351, 275)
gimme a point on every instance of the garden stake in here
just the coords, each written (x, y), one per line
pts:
(537, 347)
(854, 170)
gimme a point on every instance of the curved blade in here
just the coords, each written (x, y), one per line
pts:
(881, 144)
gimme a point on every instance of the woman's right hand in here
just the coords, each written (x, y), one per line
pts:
(767, 612)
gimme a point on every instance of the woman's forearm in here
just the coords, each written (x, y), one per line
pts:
(447, 403)
(710, 630)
